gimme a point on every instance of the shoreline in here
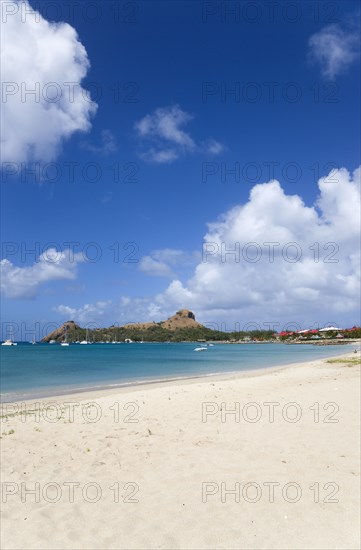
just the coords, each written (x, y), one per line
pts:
(123, 387)
(321, 342)
(133, 386)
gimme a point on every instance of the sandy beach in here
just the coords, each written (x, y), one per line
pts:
(262, 460)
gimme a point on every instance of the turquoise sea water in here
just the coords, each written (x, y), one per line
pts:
(32, 371)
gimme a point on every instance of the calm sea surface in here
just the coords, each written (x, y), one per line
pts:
(32, 371)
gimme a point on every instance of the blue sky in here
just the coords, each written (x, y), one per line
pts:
(160, 137)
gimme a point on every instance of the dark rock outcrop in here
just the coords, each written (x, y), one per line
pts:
(184, 318)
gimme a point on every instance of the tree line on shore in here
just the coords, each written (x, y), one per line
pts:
(158, 333)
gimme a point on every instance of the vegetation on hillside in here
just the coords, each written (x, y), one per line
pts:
(157, 333)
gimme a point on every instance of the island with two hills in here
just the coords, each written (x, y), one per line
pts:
(183, 327)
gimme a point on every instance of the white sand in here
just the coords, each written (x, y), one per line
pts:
(169, 453)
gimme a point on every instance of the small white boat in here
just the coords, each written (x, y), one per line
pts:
(128, 341)
(65, 341)
(86, 339)
(9, 343)
(52, 342)
(200, 349)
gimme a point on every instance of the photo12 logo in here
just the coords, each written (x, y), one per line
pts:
(71, 252)
(256, 11)
(269, 92)
(69, 92)
(71, 411)
(269, 491)
(70, 172)
(269, 411)
(255, 172)
(69, 492)
(270, 251)
(119, 12)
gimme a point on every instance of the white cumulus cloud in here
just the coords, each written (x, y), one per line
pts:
(335, 48)
(106, 312)
(89, 313)
(152, 266)
(274, 257)
(48, 59)
(52, 265)
(163, 131)
(270, 260)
